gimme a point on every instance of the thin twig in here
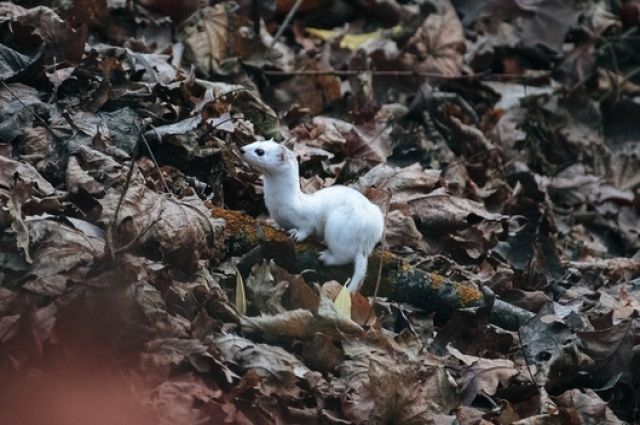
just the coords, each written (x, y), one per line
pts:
(383, 247)
(34, 113)
(153, 158)
(399, 73)
(285, 23)
(526, 361)
(109, 235)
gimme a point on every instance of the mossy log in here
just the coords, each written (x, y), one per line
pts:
(399, 281)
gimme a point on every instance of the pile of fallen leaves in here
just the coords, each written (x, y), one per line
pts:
(500, 137)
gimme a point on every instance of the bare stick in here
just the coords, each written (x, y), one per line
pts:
(526, 361)
(399, 73)
(34, 113)
(153, 158)
(383, 245)
(285, 23)
(109, 246)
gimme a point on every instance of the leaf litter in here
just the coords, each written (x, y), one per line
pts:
(500, 138)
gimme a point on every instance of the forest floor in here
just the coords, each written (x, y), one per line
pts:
(142, 283)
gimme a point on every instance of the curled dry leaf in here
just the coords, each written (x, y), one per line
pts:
(79, 181)
(277, 370)
(413, 178)
(610, 348)
(289, 324)
(584, 406)
(205, 35)
(265, 292)
(60, 254)
(184, 401)
(301, 323)
(485, 376)
(370, 143)
(443, 212)
(62, 41)
(174, 351)
(384, 387)
(438, 45)
(11, 170)
(181, 229)
(401, 232)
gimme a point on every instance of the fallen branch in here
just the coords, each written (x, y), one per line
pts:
(400, 281)
(621, 268)
(523, 79)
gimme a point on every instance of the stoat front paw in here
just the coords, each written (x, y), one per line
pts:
(298, 235)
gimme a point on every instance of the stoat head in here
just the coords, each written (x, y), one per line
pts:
(268, 157)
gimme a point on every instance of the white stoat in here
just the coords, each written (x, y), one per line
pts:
(349, 223)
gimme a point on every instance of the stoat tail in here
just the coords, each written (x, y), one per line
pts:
(359, 272)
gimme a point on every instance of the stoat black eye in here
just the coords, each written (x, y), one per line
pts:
(259, 152)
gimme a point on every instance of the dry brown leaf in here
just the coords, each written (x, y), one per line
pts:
(438, 45)
(611, 349)
(60, 254)
(370, 143)
(264, 291)
(401, 232)
(205, 35)
(295, 324)
(79, 181)
(443, 212)
(62, 40)
(277, 370)
(181, 229)
(383, 387)
(485, 376)
(322, 353)
(183, 401)
(584, 406)
(10, 169)
(413, 178)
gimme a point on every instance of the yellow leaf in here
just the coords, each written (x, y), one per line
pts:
(323, 35)
(353, 41)
(343, 302)
(349, 41)
(241, 299)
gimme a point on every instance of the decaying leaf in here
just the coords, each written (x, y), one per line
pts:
(241, 298)
(484, 376)
(205, 34)
(438, 45)
(343, 302)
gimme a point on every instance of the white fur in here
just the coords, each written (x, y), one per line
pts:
(349, 223)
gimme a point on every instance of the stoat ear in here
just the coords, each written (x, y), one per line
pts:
(282, 154)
